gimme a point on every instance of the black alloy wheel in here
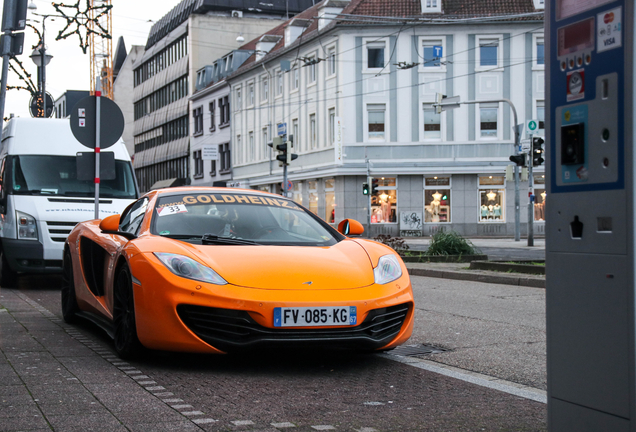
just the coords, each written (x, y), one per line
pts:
(126, 341)
(69, 299)
(8, 277)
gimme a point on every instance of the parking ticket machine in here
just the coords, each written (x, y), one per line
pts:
(590, 224)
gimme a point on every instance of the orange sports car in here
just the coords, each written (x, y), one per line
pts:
(216, 270)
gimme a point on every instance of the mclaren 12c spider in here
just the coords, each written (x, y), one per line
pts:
(216, 270)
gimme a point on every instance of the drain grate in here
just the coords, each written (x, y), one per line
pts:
(416, 350)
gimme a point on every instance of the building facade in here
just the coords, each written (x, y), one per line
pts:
(64, 104)
(355, 89)
(180, 44)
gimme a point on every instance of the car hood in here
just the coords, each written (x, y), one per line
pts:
(345, 265)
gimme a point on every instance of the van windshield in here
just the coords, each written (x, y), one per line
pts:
(57, 175)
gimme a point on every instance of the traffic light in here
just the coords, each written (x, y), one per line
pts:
(519, 160)
(284, 149)
(374, 186)
(537, 151)
(14, 14)
(289, 156)
(365, 188)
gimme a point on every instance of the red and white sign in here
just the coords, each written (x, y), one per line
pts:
(170, 210)
(575, 85)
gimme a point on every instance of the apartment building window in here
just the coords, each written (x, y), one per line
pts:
(264, 136)
(437, 199)
(250, 147)
(251, 94)
(212, 168)
(489, 52)
(212, 116)
(330, 200)
(384, 201)
(541, 116)
(198, 164)
(432, 123)
(311, 70)
(279, 83)
(432, 6)
(224, 157)
(239, 102)
(332, 126)
(375, 55)
(264, 88)
(237, 151)
(313, 138)
(296, 78)
(224, 111)
(295, 134)
(375, 120)
(492, 199)
(197, 117)
(540, 47)
(488, 114)
(331, 61)
(432, 57)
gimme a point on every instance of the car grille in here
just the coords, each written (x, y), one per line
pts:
(232, 330)
(58, 231)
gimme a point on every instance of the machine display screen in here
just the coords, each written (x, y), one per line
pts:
(568, 8)
(576, 37)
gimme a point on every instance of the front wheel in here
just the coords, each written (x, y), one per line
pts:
(126, 341)
(8, 277)
(69, 299)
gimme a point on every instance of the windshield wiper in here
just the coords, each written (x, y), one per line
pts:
(214, 239)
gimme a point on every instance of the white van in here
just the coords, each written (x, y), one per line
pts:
(41, 199)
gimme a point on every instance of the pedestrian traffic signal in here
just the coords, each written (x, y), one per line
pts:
(537, 151)
(365, 188)
(374, 186)
(519, 160)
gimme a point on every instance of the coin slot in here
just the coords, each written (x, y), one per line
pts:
(605, 88)
(576, 228)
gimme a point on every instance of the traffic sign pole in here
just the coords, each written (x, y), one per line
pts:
(98, 122)
(530, 194)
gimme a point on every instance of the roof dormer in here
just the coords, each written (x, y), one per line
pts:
(539, 4)
(431, 6)
(328, 11)
(294, 29)
(265, 44)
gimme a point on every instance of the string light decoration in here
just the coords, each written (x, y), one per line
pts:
(86, 22)
(35, 29)
(18, 68)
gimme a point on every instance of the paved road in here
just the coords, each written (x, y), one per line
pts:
(59, 377)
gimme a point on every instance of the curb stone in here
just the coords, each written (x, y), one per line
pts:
(486, 278)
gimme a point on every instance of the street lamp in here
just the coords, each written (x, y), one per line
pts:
(41, 58)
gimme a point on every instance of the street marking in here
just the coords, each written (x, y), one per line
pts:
(373, 403)
(323, 427)
(192, 413)
(178, 407)
(203, 420)
(366, 429)
(138, 377)
(146, 382)
(172, 400)
(283, 425)
(525, 392)
(155, 388)
(242, 422)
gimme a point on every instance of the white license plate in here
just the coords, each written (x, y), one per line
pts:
(315, 316)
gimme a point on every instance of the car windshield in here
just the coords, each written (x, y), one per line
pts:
(239, 219)
(57, 175)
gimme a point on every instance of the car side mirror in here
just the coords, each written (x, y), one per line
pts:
(110, 225)
(350, 227)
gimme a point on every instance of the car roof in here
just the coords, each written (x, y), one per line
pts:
(209, 189)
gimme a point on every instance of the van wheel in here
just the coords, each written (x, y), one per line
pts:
(126, 341)
(69, 299)
(8, 277)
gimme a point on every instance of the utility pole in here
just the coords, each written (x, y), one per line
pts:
(530, 195)
(369, 182)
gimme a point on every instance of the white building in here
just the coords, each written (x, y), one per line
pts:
(356, 80)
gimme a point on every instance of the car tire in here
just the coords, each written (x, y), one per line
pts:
(127, 343)
(69, 298)
(8, 277)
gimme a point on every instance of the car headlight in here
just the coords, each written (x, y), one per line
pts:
(190, 269)
(388, 269)
(27, 228)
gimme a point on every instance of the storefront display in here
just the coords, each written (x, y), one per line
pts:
(492, 199)
(330, 200)
(437, 199)
(312, 188)
(539, 198)
(384, 200)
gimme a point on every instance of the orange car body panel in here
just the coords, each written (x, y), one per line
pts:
(253, 274)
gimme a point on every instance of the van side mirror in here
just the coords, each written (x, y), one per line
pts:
(350, 227)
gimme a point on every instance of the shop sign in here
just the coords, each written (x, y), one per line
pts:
(441, 181)
(491, 180)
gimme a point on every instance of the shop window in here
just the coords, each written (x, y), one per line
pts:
(298, 193)
(437, 199)
(312, 188)
(384, 200)
(488, 52)
(432, 124)
(492, 199)
(330, 200)
(376, 122)
(375, 55)
(488, 120)
(539, 198)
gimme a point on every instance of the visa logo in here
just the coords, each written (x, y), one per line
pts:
(609, 41)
